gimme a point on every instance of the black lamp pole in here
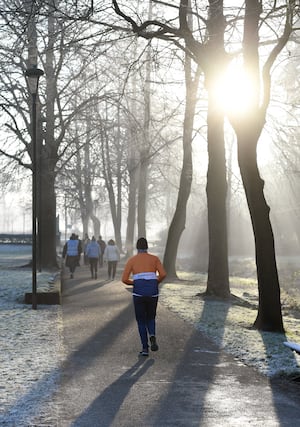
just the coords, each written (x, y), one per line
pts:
(33, 74)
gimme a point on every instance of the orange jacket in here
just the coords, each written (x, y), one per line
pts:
(143, 263)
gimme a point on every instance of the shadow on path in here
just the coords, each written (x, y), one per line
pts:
(184, 401)
(89, 349)
(104, 408)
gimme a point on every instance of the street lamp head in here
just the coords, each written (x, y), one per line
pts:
(33, 75)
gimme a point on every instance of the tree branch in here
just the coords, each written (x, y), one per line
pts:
(282, 41)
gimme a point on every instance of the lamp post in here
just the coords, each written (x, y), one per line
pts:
(33, 75)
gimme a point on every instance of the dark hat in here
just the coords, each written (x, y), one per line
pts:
(142, 243)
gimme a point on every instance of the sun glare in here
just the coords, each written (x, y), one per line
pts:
(265, 153)
(234, 91)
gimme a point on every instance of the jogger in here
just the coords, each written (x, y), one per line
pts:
(147, 272)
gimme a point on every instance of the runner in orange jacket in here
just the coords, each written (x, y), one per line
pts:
(147, 272)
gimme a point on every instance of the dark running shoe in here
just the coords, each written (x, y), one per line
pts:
(144, 353)
(154, 346)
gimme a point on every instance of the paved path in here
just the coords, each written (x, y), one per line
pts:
(188, 382)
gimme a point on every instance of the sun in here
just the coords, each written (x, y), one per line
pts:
(234, 90)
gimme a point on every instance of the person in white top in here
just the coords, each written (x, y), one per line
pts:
(112, 257)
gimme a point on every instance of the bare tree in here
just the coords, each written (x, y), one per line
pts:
(213, 60)
(178, 222)
(55, 42)
(206, 56)
(248, 129)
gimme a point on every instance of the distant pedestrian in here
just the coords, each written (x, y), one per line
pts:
(93, 252)
(112, 256)
(86, 240)
(79, 250)
(102, 245)
(147, 272)
(71, 251)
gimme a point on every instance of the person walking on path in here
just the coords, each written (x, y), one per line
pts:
(93, 252)
(86, 241)
(79, 251)
(71, 251)
(147, 272)
(102, 245)
(112, 256)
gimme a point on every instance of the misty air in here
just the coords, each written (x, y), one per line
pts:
(150, 223)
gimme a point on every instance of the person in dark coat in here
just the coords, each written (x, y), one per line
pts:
(102, 245)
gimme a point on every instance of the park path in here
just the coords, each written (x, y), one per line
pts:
(188, 382)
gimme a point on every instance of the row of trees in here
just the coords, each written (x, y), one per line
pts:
(91, 126)
(107, 114)
(210, 53)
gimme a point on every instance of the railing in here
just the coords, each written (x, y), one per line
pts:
(16, 239)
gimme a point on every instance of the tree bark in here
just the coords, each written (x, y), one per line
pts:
(129, 245)
(47, 222)
(118, 226)
(178, 222)
(46, 155)
(177, 225)
(145, 146)
(216, 188)
(115, 202)
(269, 316)
(248, 130)
(216, 191)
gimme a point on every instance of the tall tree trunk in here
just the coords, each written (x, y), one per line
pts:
(142, 195)
(46, 154)
(269, 317)
(144, 146)
(132, 166)
(178, 222)
(47, 227)
(96, 225)
(87, 182)
(119, 184)
(129, 245)
(79, 178)
(216, 190)
(48, 159)
(229, 185)
(109, 183)
(248, 130)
